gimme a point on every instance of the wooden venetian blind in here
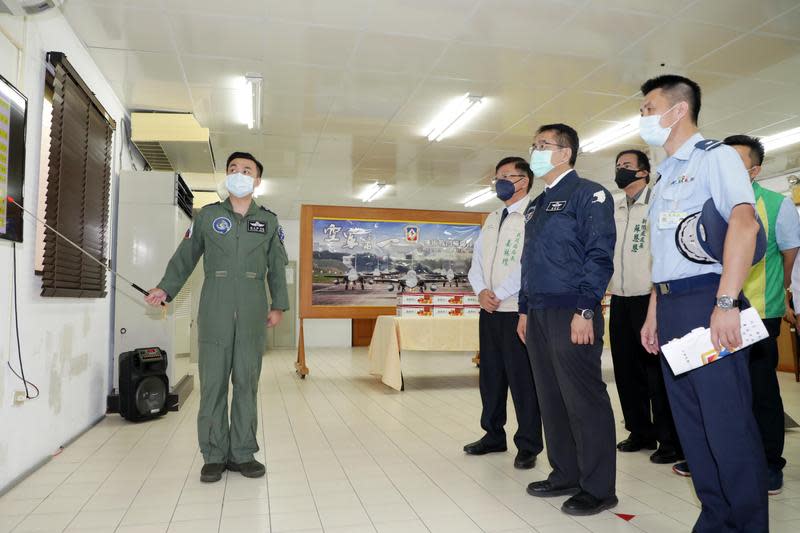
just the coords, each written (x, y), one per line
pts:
(78, 183)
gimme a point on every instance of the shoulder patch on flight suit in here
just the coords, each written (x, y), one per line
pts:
(188, 234)
(255, 226)
(221, 225)
(708, 144)
(599, 197)
(281, 234)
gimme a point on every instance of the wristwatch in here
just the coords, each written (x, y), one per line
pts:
(727, 302)
(586, 314)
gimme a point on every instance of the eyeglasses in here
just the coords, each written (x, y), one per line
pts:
(508, 177)
(543, 145)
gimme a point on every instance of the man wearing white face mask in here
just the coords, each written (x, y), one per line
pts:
(567, 262)
(711, 405)
(242, 246)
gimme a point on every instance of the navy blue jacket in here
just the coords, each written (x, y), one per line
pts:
(568, 257)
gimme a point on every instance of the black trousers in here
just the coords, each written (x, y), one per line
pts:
(576, 411)
(504, 365)
(767, 403)
(637, 373)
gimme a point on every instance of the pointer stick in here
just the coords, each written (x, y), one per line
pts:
(90, 256)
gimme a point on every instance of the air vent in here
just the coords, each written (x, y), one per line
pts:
(154, 155)
(183, 196)
(172, 141)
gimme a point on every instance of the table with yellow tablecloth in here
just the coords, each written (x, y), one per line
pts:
(394, 334)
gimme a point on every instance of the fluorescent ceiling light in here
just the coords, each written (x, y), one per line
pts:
(779, 140)
(454, 116)
(479, 197)
(250, 104)
(373, 191)
(612, 135)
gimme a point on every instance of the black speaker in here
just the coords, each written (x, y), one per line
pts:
(143, 384)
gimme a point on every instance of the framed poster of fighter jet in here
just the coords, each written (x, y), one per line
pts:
(354, 261)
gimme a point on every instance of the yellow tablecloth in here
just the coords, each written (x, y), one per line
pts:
(440, 334)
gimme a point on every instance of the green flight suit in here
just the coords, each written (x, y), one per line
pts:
(239, 253)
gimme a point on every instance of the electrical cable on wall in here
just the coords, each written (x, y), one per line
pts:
(21, 374)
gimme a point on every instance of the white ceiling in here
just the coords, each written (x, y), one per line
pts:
(350, 84)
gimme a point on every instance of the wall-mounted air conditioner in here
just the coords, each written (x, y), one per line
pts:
(26, 7)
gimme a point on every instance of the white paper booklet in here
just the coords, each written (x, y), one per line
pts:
(694, 349)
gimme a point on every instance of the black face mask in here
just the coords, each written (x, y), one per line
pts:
(626, 176)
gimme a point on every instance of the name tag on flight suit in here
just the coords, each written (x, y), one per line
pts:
(558, 205)
(254, 226)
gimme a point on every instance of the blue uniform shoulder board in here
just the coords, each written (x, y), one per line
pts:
(708, 144)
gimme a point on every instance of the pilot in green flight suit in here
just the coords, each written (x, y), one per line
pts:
(242, 245)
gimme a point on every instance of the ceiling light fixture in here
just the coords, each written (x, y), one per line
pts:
(479, 197)
(373, 192)
(252, 100)
(779, 140)
(454, 116)
(612, 135)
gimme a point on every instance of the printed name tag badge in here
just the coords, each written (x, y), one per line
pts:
(671, 219)
(254, 226)
(558, 205)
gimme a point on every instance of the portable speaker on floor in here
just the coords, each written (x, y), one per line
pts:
(143, 384)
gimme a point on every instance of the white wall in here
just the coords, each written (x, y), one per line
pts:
(317, 332)
(65, 342)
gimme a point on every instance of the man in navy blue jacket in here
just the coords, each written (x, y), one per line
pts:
(567, 262)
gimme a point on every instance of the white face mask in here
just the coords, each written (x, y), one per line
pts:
(239, 185)
(651, 131)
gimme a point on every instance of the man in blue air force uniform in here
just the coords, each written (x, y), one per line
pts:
(711, 405)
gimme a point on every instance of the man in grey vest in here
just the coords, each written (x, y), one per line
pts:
(637, 373)
(495, 278)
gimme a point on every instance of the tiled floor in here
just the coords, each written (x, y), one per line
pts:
(344, 453)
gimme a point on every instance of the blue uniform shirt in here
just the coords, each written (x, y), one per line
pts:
(689, 177)
(787, 226)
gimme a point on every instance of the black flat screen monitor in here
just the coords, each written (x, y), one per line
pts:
(13, 113)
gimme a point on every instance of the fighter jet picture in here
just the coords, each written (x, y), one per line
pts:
(411, 280)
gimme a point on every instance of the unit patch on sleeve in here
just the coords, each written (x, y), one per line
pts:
(254, 226)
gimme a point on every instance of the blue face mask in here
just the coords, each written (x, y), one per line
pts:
(239, 185)
(505, 189)
(540, 162)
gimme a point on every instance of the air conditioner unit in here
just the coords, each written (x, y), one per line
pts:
(26, 7)
(172, 142)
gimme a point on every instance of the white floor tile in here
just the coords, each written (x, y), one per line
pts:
(346, 454)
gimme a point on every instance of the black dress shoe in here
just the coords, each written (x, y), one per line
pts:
(664, 455)
(584, 504)
(524, 460)
(249, 469)
(634, 444)
(212, 472)
(482, 447)
(545, 489)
